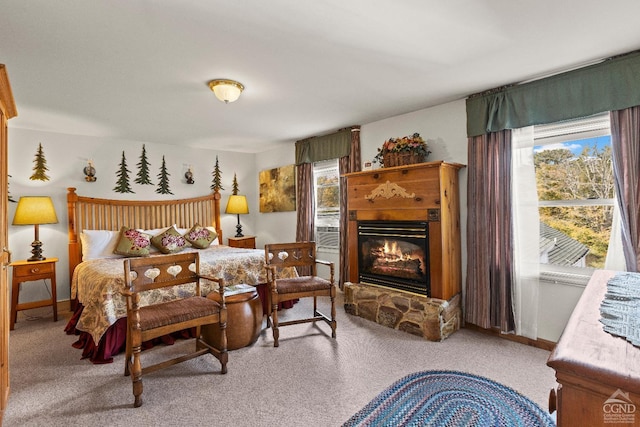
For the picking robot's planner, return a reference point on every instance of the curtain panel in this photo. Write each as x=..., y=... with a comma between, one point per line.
x=347, y=165
x=610, y=85
x=526, y=233
x=305, y=221
x=488, y=297
x=625, y=142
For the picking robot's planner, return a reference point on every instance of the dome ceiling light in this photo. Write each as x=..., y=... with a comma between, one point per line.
x=226, y=90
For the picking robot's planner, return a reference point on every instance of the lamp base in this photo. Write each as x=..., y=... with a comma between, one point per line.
x=239, y=231
x=36, y=251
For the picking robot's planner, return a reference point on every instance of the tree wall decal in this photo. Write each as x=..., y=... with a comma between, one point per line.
x=122, y=184
x=234, y=187
x=40, y=166
x=143, y=169
x=217, y=178
x=163, y=176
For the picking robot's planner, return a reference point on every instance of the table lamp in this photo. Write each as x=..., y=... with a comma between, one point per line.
x=35, y=210
x=237, y=205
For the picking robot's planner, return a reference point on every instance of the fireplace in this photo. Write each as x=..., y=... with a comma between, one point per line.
x=394, y=254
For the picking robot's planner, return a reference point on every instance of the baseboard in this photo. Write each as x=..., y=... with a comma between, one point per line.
x=538, y=343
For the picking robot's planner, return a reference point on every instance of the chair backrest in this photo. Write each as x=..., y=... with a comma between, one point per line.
x=296, y=254
x=147, y=273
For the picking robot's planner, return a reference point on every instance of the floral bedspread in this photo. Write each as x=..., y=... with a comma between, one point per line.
x=97, y=283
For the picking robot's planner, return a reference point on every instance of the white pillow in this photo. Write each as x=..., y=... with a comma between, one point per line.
x=99, y=244
x=216, y=241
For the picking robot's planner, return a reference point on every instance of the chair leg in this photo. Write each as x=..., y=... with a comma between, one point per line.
x=136, y=377
x=274, y=324
x=333, y=317
x=127, y=356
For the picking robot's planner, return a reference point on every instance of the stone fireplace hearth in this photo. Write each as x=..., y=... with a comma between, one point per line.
x=430, y=318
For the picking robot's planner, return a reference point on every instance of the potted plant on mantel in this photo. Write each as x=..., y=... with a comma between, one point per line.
x=406, y=150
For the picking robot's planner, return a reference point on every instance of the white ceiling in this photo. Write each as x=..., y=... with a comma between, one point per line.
x=138, y=69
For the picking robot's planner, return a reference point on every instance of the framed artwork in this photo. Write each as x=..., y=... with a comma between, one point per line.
x=278, y=189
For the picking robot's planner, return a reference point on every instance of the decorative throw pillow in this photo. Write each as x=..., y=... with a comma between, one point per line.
x=132, y=243
x=154, y=232
x=169, y=242
x=200, y=237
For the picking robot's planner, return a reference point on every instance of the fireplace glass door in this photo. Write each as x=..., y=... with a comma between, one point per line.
x=394, y=254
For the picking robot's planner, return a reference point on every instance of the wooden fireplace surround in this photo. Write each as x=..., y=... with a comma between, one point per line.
x=421, y=192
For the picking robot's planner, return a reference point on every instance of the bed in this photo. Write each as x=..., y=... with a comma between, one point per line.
x=95, y=225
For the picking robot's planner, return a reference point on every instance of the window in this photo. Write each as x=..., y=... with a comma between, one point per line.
x=326, y=179
x=574, y=178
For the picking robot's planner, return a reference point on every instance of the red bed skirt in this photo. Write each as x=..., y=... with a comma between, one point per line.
x=114, y=339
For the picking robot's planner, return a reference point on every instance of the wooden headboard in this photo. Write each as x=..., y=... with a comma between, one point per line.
x=89, y=213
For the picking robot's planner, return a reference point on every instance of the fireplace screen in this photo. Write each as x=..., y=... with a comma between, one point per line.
x=394, y=254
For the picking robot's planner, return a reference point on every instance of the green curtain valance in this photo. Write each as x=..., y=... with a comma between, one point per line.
x=610, y=85
x=318, y=148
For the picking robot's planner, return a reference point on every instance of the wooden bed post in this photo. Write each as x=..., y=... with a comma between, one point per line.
x=216, y=207
x=74, y=250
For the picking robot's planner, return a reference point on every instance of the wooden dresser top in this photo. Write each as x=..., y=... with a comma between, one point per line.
x=587, y=351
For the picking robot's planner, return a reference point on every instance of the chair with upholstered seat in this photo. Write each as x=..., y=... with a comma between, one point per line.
x=157, y=319
x=302, y=256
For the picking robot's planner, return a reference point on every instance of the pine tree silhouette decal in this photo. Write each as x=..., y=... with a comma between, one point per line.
x=217, y=178
x=122, y=185
x=9, y=192
x=163, y=185
x=234, y=188
x=143, y=169
x=40, y=166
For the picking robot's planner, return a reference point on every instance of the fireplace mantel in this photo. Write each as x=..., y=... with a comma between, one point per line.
x=421, y=192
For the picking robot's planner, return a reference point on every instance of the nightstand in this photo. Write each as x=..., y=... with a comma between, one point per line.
x=29, y=271
x=248, y=242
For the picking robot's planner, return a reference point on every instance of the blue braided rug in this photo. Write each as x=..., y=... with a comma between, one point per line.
x=449, y=398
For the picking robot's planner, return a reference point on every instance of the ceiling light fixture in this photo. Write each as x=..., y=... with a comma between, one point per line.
x=226, y=90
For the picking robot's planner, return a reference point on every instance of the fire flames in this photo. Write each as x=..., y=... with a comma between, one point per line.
x=390, y=259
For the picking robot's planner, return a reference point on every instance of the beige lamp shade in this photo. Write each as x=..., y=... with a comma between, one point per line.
x=237, y=205
x=226, y=90
x=34, y=210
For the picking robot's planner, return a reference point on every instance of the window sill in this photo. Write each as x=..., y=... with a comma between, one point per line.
x=564, y=278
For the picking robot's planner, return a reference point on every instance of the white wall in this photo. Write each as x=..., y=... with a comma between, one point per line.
x=66, y=156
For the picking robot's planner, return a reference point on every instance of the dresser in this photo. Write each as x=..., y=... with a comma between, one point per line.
x=7, y=111
x=598, y=374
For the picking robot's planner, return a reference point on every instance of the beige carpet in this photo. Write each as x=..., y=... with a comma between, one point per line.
x=310, y=379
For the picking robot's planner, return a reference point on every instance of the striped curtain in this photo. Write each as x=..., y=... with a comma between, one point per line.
x=488, y=297
x=350, y=163
x=625, y=142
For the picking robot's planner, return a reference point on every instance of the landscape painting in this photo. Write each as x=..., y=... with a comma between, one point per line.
x=278, y=189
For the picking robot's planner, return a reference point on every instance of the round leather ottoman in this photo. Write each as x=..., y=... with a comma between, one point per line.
x=244, y=318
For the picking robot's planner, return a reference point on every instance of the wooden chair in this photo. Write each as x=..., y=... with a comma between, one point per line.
x=152, y=321
x=302, y=256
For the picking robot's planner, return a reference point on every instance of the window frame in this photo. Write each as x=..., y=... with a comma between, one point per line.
x=565, y=132
x=327, y=237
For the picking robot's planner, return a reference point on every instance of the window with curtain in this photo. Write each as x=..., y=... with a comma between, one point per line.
x=326, y=186
x=576, y=198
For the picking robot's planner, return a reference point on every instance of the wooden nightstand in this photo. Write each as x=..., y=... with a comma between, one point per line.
x=248, y=242
x=29, y=271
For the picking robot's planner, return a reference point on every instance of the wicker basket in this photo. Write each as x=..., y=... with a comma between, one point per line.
x=402, y=159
